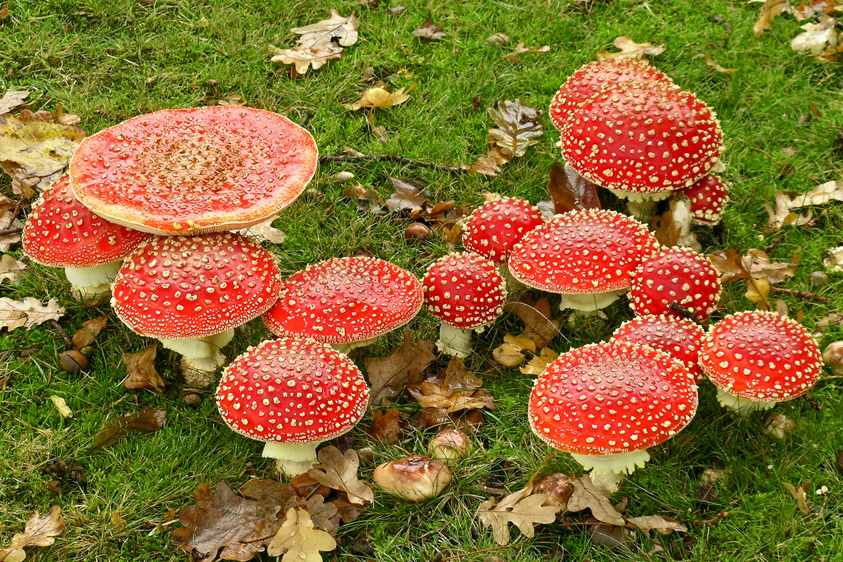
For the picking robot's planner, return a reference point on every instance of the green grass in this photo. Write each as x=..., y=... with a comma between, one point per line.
x=111, y=60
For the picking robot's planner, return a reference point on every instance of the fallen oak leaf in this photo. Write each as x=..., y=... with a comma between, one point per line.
x=807, y=10
x=586, y=496
x=816, y=36
x=38, y=531
x=386, y=426
x=389, y=375
x=338, y=471
x=11, y=99
x=662, y=525
x=146, y=421
x=87, y=334
x=769, y=11
x=537, y=318
x=509, y=354
x=27, y=313
x=758, y=264
x=428, y=30
x=410, y=195
x=629, y=49
x=523, y=508
x=11, y=269
x=305, y=58
x=800, y=494
x=298, y=540
x=785, y=205
x=379, y=97
x=322, y=33
x=520, y=49
x=539, y=363
x=517, y=129
x=141, y=370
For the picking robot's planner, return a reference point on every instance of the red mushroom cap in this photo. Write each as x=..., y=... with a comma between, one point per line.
x=642, y=138
x=708, y=197
x=675, y=275
x=61, y=232
x=292, y=391
x=597, y=76
x=464, y=290
x=178, y=287
x=611, y=398
x=495, y=227
x=760, y=355
x=345, y=300
x=678, y=337
x=582, y=252
x=187, y=171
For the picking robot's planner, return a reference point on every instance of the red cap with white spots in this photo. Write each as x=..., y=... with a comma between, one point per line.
x=345, y=300
x=611, y=398
x=646, y=139
x=496, y=226
x=464, y=291
x=708, y=197
x=678, y=337
x=187, y=171
x=178, y=287
x=759, y=355
x=596, y=77
x=292, y=391
x=582, y=252
x=61, y=232
x=675, y=275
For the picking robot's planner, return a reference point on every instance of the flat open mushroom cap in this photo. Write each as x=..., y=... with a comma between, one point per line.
x=292, y=391
x=642, y=138
x=611, y=398
x=496, y=226
x=597, y=76
x=760, y=355
x=678, y=337
x=188, y=171
x=582, y=252
x=345, y=300
x=61, y=232
x=178, y=287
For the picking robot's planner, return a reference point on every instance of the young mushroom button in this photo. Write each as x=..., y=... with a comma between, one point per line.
x=707, y=197
x=61, y=232
x=466, y=293
x=345, y=302
x=496, y=226
x=293, y=394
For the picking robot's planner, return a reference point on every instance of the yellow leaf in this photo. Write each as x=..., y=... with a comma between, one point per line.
x=508, y=355
x=379, y=97
x=62, y=407
x=769, y=11
x=298, y=540
x=539, y=363
x=629, y=49
x=39, y=531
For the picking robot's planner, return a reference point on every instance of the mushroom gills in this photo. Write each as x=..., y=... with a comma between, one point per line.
x=741, y=405
x=291, y=459
x=454, y=341
x=617, y=463
x=346, y=347
x=92, y=281
x=202, y=354
x=637, y=196
x=590, y=302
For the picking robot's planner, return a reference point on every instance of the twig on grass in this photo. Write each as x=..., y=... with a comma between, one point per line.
x=800, y=294
x=714, y=520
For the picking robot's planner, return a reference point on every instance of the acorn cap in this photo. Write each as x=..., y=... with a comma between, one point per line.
x=493, y=229
x=464, y=290
x=188, y=171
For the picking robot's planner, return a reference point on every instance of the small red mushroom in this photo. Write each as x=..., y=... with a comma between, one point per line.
x=188, y=171
x=345, y=302
x=678, y=337
x=708, y=197
x=61, y=232
x=757, y=359
x=678, y=276
x=493, y=229
x=293, y=394
x=466, y=293
x=587, y=256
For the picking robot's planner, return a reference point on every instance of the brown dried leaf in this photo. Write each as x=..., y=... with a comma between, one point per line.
x=518, y=127
x=365, y=199
x=523, y=508
x=39, y=531
x=539, y=363
x=321, y=34
x=539, y=324
x=27, y=313
x=386, y=426
x=586, y=496
x=657, y=523
x=570, y=191
x=223, y=520
x=820, y=195
x=410, y=195
x=324, y=515
x=758, y=291
x=800, y=494
x=428, y=30
x=379, y=97
x=146, y=421
x=454, y=389
x=11, y=269
x=298, y=540
x=758, y=264
x=389, y=375
x=338, y=471
x=141, y=369
x=271, y=491
x=816, y=36
x=665, y=229
x=728, y=265
x=769, y=11
x=346, y=511
x=305, y=58
x=807, y=10
x=629, y=49
x=508, y=354
x=11, y=99
x=87, y=334
x=520, y=49
x=710, y=62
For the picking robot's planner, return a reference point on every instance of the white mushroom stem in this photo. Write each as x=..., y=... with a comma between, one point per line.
x=619, y=463
x=680, y=212
x=741, y=405
x=454, y=341
x=291, y=459
x=590, y=302
x=202, y=354
x=92, y=281
x=346, y=347
x=642, y=210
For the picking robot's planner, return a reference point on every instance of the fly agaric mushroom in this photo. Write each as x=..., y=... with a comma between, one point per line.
x=345, y=302
x=413, y=478
x=708, y=197
x=607, y=403
x=189, y=171
x=675, y=276
x=61, y=232
x=757, y=359
x=496, y=226
x=293, y=394
x=587, y=256
x=642, y=141
x=678, y=337
x=598, y=76
x=466, y=293
x=190, y=292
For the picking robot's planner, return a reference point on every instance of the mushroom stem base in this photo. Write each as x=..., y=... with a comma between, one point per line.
x=741, y=405
x=619, y=463
x=454, y=341
x=201, y=354
x=346, y=347
x=642, y=210
x=291, y=459
x=590, y=302
x=92, y=281
x=608, y=482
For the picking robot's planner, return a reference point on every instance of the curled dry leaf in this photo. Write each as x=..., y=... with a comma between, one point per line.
x=661, y=525
x=27, y=313
x=816, y=36
x=570, y=191
x=511, y=352
x=455, y=389
x=298, y=540
x=809, y=9
x=316, y=45
x=587, y=496
x=11, y=269
x=145, y=421
x=710, y=62
x=833, y=261
x=539, y=324
x=539, y=363
x=428, y=30
x=800, y=494
x=523, y=508
x=11, y=99
x=39, y=531
x=379, y=97
x=410, y=195
x=87, y=334
x=785, y=205
x=141, y=369
x=629, y=49
x=386, y=426
x=389, y=375
x=366, y=200
x=520, y=49
x=338, y=471
x=769, y=11
x=517, y=129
